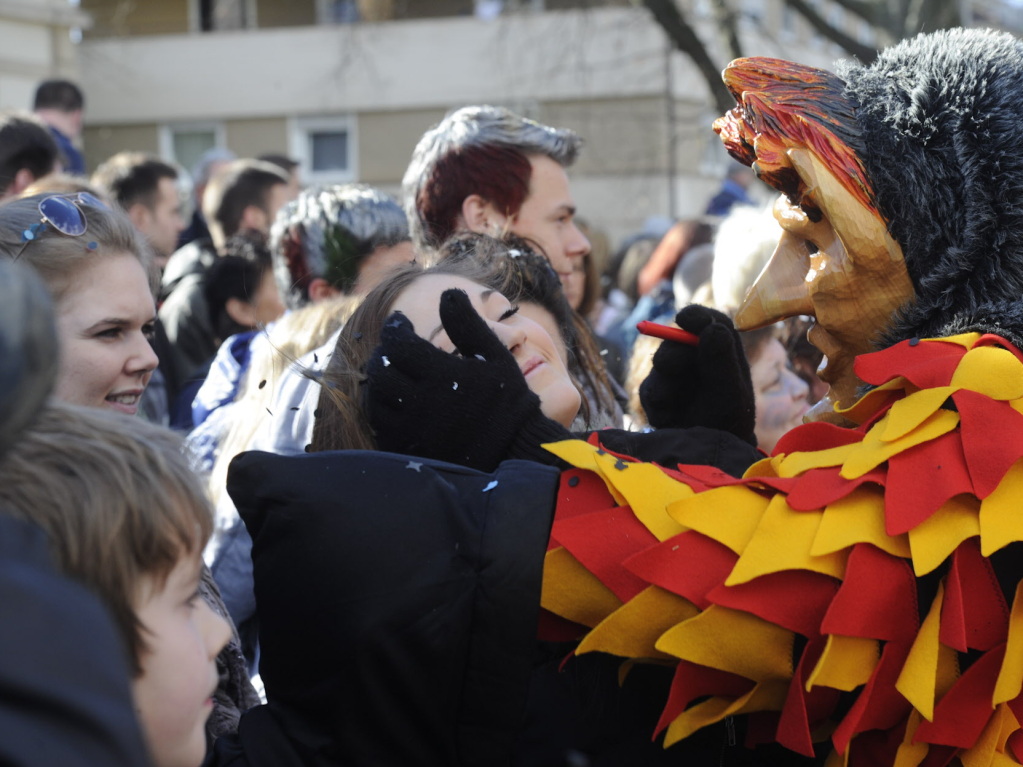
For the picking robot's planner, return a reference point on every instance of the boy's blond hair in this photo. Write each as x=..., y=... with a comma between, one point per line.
x=116, y=497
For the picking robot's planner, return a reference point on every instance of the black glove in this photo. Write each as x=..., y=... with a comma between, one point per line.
x=705, y=385
x=472, y=408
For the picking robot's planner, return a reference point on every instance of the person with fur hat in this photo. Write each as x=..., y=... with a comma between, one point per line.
x=856, y=594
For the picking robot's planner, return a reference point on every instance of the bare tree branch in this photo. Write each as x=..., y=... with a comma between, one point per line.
x=877, y=13
x=864, y=53
x=891, y=20
x=726, y=21
x=686, y=40
x=929, y=15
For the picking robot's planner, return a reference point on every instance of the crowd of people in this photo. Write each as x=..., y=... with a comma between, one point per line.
x=314, y=476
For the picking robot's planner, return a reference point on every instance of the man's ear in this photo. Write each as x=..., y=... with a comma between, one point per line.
x=254, y=217
x=140, y=216
x=241, y=312
x=321, y=290
x=479, y=215
x=23, y=179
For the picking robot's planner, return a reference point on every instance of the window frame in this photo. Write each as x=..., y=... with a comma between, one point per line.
x=300, y=130
x=167, y=131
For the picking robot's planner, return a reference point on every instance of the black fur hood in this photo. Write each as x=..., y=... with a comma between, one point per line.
x=942, y=120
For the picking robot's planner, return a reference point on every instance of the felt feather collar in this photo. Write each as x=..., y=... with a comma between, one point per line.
x=859, y=585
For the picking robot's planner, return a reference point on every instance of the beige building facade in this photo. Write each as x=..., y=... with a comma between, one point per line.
x=37, y=42
x=349, y=98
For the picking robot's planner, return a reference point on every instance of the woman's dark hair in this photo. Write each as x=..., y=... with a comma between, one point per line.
x=237, y=274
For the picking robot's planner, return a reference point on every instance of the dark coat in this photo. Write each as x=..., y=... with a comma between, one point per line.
x=65, y=697
x=398, y=601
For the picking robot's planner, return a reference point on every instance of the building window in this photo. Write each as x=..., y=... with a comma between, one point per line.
x=325, y=147
x=223, y=15
x=185, y=143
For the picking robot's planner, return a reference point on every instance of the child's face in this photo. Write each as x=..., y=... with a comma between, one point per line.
x=173, y=694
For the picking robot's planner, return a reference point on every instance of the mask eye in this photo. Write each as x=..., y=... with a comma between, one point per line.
x=811, y=247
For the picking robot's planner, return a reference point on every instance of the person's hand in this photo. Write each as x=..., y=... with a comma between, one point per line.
x=472, y=407
x=704, y=385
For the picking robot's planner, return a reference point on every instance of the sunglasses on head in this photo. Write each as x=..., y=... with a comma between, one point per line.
x=63, y=213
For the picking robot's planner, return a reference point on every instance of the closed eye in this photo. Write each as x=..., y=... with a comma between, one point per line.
x=511, y=312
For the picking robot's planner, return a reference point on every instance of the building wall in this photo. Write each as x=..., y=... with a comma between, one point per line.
x=117, y=18
x=608, y=73
x=251, y=138
x=622, y=136
x=102, y=141
x=34, y=46
x=294, y=13
x=374, y=67
x=386, y=141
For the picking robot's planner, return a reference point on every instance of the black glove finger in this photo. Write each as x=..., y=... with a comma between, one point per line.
x=469, y=332
x=388, y=385
x=726, y=379
x=676, y=360
x=401, y=347
x=720, y=349
x=695, y=318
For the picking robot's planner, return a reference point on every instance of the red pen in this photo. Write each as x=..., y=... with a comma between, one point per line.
x=667, y=333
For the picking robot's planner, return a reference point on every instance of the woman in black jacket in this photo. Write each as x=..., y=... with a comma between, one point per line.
x=484, y=384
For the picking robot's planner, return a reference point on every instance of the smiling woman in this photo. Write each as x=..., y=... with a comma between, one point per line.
x=522, y=362
x=97, y=268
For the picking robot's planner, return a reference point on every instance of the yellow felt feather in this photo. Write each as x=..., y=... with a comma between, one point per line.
x=633, y=630
x=573, y=592
x=782, y=541
x=648, y=490
x=990, y=370
x=1001, y=522
x=729, y=515
x=874, y=450
x=1010, y=676
x=733, y=641
x=934, y=539
x=845, y=664
x=766, y=696
x=857, y=518
x=931, y=667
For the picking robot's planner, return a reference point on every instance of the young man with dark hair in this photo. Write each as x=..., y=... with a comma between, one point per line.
x=244, y=196
x=61, y=105
x=289, y=166
x=485, y=169
x=147, y=189
x=27, y=152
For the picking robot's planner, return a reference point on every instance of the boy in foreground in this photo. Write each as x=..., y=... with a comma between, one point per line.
x=126, y=517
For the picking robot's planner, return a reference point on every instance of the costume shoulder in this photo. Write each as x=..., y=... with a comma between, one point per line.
x=854, y=591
